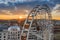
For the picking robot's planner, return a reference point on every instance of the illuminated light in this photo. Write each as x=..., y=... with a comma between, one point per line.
x=20, y=17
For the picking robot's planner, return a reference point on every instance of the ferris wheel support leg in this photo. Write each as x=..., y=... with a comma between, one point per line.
x=45, y=35
x=50, y=34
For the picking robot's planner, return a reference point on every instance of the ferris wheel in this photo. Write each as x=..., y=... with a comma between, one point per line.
x=38, y=25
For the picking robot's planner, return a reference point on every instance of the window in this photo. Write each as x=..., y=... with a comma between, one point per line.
x=8, y=37
x=0, y=33
x=0, y=36
x=18, y=37
x=4, y=36
x=11, y=32
x=4, y=33
x=18, y=34
x=4, y=39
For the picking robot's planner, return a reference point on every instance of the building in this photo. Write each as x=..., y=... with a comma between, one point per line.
x=10, y=33
x=3, y=35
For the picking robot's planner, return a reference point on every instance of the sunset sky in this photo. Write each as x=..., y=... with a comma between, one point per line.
x=20, y=8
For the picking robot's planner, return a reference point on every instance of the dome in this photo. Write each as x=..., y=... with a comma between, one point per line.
x=14, y=27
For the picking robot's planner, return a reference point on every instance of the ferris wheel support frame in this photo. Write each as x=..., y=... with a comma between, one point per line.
x=34, y=13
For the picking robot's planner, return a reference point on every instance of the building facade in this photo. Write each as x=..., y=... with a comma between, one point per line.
x=12, y=33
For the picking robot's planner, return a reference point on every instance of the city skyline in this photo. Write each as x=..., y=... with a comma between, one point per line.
x=29, y=19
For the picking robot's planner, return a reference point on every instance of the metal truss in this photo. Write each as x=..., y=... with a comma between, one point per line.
x=42, y=29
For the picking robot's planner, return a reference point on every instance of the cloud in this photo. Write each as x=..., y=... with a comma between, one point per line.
x=25, y=0
x=56, y=11
x=43, y=0
x=57, y=7
x=6, y=12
